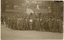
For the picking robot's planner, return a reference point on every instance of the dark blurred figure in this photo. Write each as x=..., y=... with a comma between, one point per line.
x=2, y=20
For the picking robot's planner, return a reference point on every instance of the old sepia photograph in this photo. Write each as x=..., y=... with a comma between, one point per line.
x=31, y=20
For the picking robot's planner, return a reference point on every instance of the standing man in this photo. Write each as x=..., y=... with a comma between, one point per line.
x=30, y=21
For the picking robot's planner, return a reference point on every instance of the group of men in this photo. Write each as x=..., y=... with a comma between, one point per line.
x=31, y=22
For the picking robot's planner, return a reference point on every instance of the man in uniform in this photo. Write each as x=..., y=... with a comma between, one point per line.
x=12, y=22
x=50, y=24
x=53, y=25
x=20, y=23
x=60, y=25
x=37, y=24
x=26, y=24
x=8, y=23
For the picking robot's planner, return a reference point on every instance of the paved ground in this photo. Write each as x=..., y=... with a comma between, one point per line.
x=9, y=34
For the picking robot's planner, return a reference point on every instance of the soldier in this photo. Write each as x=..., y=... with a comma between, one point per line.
x=37, y=24
x=20, y=23
x=26, y=24
x=56, y=25
x=12, y=23
x=40, y=24
x=53, y=25
x=15, y=22
x=50, y=24
x=31, y=20
x=30, y=24
x=8, y=22
x=60, y=25
x=5, y=20
x=33, y=25
x=46, y=27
